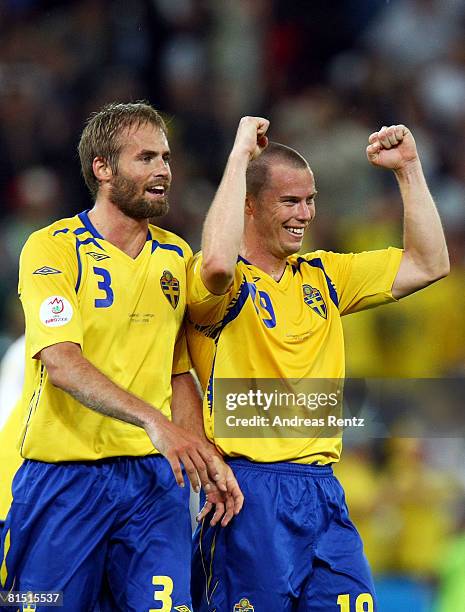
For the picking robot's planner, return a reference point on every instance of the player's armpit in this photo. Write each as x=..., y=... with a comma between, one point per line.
x=204, y=307
x=412, y=277
x=49, y=354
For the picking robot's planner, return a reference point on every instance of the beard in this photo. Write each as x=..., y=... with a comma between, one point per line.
x=125, y=194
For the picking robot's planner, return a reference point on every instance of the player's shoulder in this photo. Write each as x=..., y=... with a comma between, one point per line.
x=59, y=233
x=332, y=264
x=170, y=241
x=314, y=258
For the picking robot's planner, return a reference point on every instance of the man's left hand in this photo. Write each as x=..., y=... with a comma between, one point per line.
x=227, y=504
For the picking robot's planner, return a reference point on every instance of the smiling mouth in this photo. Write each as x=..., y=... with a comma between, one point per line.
x=159, y=190
x=297, y=232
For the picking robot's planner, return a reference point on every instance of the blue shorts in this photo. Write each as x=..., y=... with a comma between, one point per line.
x=292, y=548
x=121, y=522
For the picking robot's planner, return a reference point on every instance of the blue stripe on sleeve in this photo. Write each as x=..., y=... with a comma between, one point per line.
x=214, y=332
x=209, y=390
x=236, y=306
x=79, y=263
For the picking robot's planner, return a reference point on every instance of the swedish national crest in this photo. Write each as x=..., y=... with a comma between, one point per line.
x=170, y=287
x=244, y=605
x=314, y=299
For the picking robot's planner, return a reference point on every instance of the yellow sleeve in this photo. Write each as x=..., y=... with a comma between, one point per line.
x=48, y=274
x=204, y=307
x=181, y=359
x=362, y=280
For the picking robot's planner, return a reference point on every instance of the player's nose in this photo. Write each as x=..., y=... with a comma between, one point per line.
x=162, y=169
x=305, y=211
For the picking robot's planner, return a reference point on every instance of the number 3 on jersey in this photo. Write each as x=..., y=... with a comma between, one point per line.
x=105, y=286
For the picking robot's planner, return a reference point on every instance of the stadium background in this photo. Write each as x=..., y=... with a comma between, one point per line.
x=326, y=77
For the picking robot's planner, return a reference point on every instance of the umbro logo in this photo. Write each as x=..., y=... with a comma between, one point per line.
x=46, y=270
x=98, y=256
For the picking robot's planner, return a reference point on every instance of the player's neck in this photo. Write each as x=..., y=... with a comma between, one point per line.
x=129, y=235
x=273, y=266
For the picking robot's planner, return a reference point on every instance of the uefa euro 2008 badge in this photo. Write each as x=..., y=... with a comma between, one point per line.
x=56, y=311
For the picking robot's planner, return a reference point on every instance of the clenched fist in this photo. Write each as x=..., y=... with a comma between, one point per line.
x=392, y=147
x=251, y=136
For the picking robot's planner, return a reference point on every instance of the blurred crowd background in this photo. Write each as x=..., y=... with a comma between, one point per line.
x=327, y=74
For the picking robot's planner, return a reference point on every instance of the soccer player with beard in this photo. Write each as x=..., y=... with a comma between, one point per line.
x=110, y=408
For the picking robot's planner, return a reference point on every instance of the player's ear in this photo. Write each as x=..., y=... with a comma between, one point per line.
x=102, y=169
x=249, y=205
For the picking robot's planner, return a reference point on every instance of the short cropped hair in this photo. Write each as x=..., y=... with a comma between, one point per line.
x=101, y=135
x=258, y=170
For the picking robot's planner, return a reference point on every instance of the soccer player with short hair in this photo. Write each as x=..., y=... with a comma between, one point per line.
x=104, y=296
x=258, y=310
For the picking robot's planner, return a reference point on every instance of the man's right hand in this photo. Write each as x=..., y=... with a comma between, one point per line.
x=178, y=446
x=251, y=136
x=202, y=464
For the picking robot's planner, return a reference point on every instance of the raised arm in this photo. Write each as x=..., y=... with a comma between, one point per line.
x=71, y=372
x=425, y=259
x=224, y=224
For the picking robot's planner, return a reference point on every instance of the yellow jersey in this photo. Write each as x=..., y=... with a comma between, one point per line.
x=286, y=329
x=10, y=459
x=126, y=314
